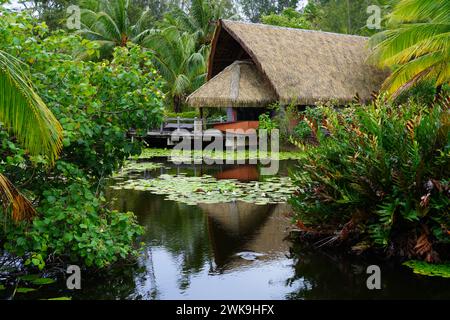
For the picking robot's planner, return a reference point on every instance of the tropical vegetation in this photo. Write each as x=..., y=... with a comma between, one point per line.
x=378, y=175
x=416, y=45
x=96, y=104
x=368, y=176
x=179, y=62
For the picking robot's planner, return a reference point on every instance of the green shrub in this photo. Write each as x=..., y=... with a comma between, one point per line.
x=266, y=122
x=75, y=225
x=423, y=92
x=289, y=17
x=185, y=115
x=304, y=129
x=96, y=103
x=379, y=173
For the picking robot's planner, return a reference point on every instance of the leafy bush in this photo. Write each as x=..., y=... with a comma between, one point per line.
x=303, y=130
x=74, y=225
x=96, y=103
x=423, y=92
x=185, y=115
x=288, y=18
x=266, y=122
x=379, y=174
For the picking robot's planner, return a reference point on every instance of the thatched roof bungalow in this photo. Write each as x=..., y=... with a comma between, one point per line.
x=252, y=65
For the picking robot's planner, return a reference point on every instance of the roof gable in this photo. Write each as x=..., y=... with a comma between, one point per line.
x=238, y=85
x=302, y=66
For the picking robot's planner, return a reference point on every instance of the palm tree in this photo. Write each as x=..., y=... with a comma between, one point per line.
x=182, y=66
x=107, y=23
x=201, y=18
x=25, y=115
x=417, y=46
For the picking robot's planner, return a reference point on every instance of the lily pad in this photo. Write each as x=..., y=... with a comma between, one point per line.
x=25, y=290
x=208, y=190
x=179, y=156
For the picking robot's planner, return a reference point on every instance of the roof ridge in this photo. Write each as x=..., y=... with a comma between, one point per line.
x=295, y=29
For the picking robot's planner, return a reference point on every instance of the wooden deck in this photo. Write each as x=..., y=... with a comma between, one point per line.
x=197, y=128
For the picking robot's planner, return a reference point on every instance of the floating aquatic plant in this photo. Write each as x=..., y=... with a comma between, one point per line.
x=427, y=269
x=224, y=155
x=133, y=166
x=206, y=189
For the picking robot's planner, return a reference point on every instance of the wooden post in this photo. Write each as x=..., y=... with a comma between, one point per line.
x=202, y=118
x=198, y=126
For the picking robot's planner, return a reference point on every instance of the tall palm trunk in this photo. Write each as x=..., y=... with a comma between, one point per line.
x=177, y=104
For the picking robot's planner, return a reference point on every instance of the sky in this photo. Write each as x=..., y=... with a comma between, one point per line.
x=14, y=4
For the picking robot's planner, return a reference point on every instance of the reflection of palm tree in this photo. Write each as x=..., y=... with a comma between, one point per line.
x=25, y=115
x=154, y=294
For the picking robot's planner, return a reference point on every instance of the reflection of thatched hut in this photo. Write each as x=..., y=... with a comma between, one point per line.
x=240, y=172
x=252, y=65
x=235, y=227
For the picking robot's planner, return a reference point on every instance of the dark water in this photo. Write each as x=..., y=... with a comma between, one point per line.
x=200, y=253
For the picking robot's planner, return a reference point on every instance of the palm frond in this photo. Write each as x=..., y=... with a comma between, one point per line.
x=13, y=202
x=417, y=47
x=107, y=26
x=88, y=17
x=420, y=10
x=409, y=74
x=24, y=113
x=181, y=83
x=394, y=42
x=119, y=10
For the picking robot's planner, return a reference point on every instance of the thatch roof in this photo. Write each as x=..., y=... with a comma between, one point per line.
x=238, y=85
x=301, y=66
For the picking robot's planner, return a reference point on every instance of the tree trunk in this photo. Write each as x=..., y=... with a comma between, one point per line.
x=438, y=95
x=438, y=90
x=177, y=104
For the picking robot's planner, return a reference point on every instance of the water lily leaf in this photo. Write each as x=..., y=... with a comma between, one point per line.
x=25, y=290
x=29, y=277
x=208, y=190
x=43, y=281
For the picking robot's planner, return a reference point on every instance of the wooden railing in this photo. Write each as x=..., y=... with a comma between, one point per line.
x=191, y=124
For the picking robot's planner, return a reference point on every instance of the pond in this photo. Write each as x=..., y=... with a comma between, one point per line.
x=235, y=250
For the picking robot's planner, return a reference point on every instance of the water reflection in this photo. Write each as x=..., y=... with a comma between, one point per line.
x=187, y=245
x=326, y=274
x=193, y=252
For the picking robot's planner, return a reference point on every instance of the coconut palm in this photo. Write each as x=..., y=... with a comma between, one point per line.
x=417, y=46
x=107, y=23
x=25, y=115
x=200, y=20
x=182, y=66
